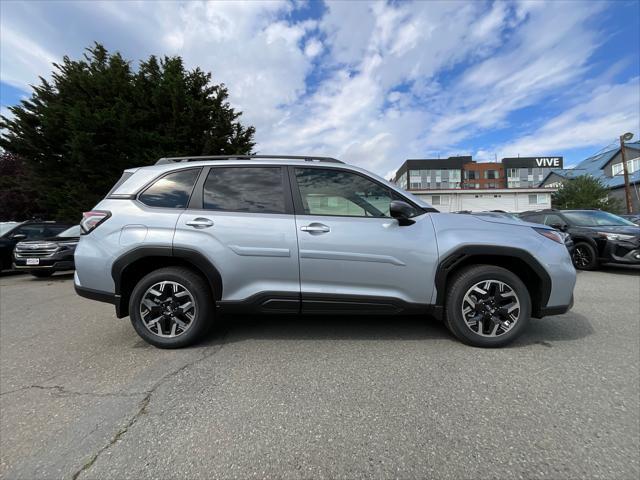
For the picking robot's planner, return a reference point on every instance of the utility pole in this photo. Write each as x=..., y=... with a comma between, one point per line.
x=627, y=190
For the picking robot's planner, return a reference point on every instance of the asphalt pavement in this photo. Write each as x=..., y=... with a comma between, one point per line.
x=81, y=396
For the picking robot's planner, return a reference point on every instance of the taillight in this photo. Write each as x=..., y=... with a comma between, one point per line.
x=550, y=234
x=91, y=220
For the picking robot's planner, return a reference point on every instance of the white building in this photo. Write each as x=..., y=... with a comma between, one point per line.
x=479, y=200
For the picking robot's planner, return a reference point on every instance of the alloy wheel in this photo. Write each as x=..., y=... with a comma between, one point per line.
x=167, y=309
x=581, y=257
x=490, y=308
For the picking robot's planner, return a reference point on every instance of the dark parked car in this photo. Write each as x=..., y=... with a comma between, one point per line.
x=566, y=238
x=30, y=230
x=632, y=217
x=599, y=237
x=42, y=258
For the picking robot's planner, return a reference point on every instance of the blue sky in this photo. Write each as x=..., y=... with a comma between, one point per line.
x=373, y=83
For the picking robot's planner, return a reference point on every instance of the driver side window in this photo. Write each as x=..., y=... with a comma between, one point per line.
x=341, y=193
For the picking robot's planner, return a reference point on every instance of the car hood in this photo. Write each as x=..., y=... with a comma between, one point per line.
x=509, y=221
x=622, y=229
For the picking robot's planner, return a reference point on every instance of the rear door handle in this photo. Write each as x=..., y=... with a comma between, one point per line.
x=315, y=228
x=199, y=223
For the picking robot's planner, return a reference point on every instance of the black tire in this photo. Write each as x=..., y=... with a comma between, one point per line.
x=464, y=280
x=195, y=285
x=41, y=273
x=584, y=256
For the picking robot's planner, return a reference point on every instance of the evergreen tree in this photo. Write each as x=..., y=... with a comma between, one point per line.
x=17, y=198
x=97, y=117
x=584, y=192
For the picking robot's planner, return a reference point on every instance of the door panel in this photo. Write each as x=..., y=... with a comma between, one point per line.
x=368, y=257
x=241, y=219
x=254, y=253
x=351, y=250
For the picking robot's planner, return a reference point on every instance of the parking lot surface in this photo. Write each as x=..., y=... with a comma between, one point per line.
x=83, y=397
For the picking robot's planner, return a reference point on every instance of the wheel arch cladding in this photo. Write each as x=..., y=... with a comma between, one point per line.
x=518, y=261
x=128, y=269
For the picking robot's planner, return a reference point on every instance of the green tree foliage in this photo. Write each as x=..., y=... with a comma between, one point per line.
x=16, y=195
x=584, y=192
x=97, y=117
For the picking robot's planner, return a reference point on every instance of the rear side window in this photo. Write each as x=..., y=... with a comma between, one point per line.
x=172, y=190
x=123, y=179
x=244, y=189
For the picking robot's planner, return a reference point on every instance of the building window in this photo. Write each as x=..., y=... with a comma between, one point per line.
x=470, y=174
x=513, y=173
x=435, y=200
x=537, y=199
x=490, y=174
x=633, y=165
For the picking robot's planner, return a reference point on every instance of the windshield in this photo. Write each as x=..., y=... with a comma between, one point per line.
x=596, y=219
x=70, y=232
x=6, y=226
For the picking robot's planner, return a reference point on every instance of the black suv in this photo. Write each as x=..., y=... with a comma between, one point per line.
x=599, y=237
x=42, y=258
x=30, y=230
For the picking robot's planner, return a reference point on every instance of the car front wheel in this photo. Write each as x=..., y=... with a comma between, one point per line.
x=487, y=306
x=171, y=307
x=584, y=257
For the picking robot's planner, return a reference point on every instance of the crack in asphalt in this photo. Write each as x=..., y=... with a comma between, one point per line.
x=65, y=392
x=144, y=403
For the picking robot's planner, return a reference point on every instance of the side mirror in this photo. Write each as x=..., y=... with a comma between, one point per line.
x=402, y=212
x=18, y=236
x=559, y=226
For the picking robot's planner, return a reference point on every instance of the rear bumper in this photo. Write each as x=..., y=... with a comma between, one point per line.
x=555, y=310
x=100, y=296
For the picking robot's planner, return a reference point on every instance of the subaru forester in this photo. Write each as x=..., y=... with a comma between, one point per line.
x=176, y=244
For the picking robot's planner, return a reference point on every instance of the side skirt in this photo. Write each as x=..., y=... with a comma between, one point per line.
x=322, y=304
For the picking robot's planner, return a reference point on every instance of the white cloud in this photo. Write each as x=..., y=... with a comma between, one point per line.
x=610, y=111
x=397, y=80
x=313, y=48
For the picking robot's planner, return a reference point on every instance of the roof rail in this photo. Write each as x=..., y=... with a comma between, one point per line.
x=306, y=158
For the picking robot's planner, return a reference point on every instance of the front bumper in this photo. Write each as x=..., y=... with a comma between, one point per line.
x=556, y=310
x=621, y=252
x=44, y=264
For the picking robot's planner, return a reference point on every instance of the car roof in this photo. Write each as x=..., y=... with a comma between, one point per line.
x=209, y=158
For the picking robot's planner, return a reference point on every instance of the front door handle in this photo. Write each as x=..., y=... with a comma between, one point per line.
x=199, y=223
x=315, y=228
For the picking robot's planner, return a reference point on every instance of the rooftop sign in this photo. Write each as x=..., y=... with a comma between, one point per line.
x=533, y=162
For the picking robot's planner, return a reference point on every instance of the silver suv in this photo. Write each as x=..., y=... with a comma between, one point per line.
x=175, y=244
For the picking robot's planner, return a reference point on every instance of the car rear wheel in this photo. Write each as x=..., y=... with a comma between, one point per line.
x=584, y=257
x=171, y=307
x=41, y=274
x=487, y=306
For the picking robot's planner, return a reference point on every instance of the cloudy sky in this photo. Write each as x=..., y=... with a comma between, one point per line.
x=372, y=83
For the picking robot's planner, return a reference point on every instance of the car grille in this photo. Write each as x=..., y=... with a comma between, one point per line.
x=36, y=250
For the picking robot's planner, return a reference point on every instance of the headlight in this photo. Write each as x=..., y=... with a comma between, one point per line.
x=616, y=236
x=550, y=234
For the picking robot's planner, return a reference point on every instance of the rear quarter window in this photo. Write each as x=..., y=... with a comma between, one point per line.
x=171, y=191
x=123, y=179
